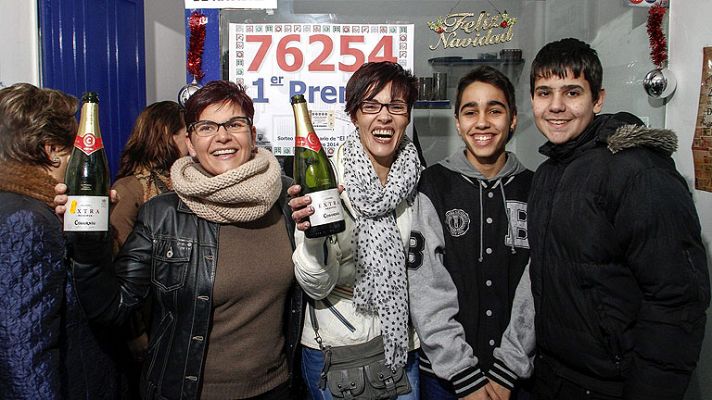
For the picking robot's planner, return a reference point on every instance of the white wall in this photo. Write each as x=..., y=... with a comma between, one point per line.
x=618, y=34
x=19, y=55
x=165, y=49
x=689, y=32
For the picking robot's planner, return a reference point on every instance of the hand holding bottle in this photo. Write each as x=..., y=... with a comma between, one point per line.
x=60, y=198
x=89, y=249
x=315, y=176
x=301, y=206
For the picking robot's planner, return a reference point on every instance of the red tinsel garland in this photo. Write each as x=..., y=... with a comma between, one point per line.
x=658, y=44
x=197, y=24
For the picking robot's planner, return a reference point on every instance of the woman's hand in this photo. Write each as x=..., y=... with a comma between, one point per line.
x=301, y=206
x=138, y=347
x=60, y=198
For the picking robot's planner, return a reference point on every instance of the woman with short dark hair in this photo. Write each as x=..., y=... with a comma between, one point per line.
x=358, y=277
x=215, y=258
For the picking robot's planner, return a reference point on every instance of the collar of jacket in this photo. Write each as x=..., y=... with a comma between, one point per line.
x=182, y=207
x=616, y=131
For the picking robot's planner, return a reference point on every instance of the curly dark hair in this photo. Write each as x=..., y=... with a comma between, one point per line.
x=32, y=117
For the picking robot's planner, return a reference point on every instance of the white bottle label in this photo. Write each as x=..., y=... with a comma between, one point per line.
x=327, y=207
x=87, y=214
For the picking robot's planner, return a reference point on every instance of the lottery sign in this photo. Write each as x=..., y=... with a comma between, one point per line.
x=240, y=4
x=277, y=61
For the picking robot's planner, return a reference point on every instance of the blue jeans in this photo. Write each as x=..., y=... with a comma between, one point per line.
x=436, y=389
x=313, y=362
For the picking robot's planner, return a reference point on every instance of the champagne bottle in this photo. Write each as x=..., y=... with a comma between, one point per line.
x=312, y=171
x=87, y=178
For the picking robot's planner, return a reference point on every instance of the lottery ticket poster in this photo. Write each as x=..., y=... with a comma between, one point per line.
x=234, y=4
x=276, y=61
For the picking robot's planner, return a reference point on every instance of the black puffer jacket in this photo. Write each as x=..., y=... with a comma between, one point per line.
x=618, y=268
x=181, y=250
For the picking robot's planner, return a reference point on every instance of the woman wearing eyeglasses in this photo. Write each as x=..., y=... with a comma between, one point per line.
x=215, y=257
x=358, y=277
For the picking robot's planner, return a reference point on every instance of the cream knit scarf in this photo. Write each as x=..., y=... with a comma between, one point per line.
x=243, y=194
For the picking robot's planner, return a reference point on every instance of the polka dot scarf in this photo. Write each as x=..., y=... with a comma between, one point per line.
x=381, y=285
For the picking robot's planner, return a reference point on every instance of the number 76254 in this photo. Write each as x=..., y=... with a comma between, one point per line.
x=290, y=45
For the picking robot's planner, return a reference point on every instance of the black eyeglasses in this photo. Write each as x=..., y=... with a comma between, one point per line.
x=209, y=128
x=374, y=107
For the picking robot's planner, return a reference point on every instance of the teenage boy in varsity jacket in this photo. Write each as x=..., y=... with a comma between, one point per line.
x=468, y=252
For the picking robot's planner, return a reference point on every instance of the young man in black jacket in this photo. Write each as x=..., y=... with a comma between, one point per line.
x=618, y=268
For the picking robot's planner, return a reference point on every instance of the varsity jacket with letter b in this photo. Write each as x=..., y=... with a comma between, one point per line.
x=468, y=251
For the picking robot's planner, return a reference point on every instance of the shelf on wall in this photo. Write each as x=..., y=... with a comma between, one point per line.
x=432, y=104
x=473, y=61
x=456, y=66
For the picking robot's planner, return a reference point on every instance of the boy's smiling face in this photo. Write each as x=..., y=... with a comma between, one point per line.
x=564, y=107
x=484, y=122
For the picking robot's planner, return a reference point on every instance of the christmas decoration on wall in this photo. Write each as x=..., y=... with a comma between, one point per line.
x=474, y=30
x=660, y=82
x=647, y=3
x=194, y=62
x=702, y=142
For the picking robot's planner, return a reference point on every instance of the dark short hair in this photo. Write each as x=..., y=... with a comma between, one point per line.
x=492, y=76
x=372, y=77
x=218, y=92
x=151, y=145
x=30, y=118
x=556, y=58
